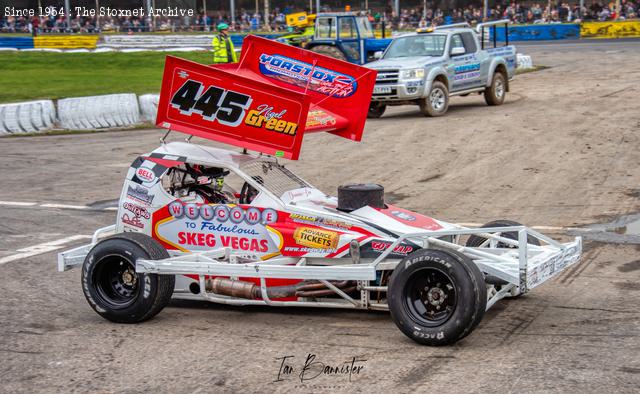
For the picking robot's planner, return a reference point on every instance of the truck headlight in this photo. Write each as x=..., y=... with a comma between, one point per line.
x=415, y=73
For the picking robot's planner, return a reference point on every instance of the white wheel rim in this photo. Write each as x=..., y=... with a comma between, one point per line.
x=499, y=88
x=437, y=99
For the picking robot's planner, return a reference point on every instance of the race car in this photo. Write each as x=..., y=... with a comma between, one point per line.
x=203, y=223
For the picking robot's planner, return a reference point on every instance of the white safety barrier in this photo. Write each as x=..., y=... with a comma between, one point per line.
x=156, y=41
x=149, y=107
x=524, y=61
x=96, y=112
x=27, y=117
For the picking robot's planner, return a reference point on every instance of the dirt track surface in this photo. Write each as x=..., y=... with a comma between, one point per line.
x=563, y=151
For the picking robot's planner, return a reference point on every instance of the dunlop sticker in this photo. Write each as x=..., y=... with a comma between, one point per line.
x=316, y=238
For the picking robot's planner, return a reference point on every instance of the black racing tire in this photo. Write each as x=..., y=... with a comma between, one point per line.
x=330, y=51
x=437, y=101
x=495, y=94
x=112, y=287
x=435, y=297
x=475, y=241
x=376, y=110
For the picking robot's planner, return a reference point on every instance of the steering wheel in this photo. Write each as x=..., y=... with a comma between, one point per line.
x=247, y=193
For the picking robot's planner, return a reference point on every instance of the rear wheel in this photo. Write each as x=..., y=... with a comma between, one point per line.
x=376, y=110
x=437, y=102
x=329, y=50
x=435, y=297
x=495, y=94
x=114, y=289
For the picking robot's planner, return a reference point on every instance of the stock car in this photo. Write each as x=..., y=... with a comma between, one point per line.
x=239, y=228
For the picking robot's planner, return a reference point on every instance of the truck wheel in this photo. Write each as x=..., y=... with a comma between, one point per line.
x=114, y=289
x=330, y=51
x=376, y=110
x=494, y=94
x=436, y=296
x=437, y=102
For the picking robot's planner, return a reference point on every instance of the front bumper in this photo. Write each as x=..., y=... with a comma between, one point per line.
x=400, y=91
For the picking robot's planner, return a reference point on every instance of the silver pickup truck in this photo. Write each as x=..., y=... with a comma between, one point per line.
x=433, y=64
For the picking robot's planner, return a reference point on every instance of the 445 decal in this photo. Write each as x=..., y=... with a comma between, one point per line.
x=215, y=104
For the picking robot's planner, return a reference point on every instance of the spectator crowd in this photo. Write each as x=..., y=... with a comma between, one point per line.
x=246, y=20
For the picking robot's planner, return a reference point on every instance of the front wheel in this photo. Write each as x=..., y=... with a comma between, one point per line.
x=376, y=110
x=114, y=289
x=436, y=297
x=495, y=94
x=437, y=102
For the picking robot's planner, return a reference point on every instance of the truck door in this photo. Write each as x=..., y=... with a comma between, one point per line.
x=464, y=70
x=349, y=39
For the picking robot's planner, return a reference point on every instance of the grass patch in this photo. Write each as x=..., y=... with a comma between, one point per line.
x=46, y=75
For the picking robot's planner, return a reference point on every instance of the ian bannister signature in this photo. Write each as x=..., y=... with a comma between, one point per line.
x=312, y=368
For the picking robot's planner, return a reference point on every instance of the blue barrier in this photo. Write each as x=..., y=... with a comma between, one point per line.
x=538, y=32
x=16, y=42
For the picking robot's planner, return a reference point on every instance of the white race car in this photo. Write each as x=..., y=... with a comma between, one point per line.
x=202, y=223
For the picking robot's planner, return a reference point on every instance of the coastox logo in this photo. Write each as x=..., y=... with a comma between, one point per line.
x=299, y=73
x=223, y=213
x=316, y=238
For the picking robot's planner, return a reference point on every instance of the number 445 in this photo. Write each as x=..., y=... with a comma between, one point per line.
x=215, y=104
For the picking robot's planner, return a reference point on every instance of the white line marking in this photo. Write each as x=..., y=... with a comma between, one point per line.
x=41, y=248
x=64, y=206
x=18, y=203
x=53, y=205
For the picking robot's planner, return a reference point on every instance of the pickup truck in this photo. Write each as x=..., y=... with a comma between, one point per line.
x=428, y=67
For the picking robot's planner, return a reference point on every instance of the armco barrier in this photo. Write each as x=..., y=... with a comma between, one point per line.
x=619, y=29
x=169, y=41
x=65, y=42
x=149, y=107
x=95, y=112
x=16, y=42
x=27, y=117
x=538, y=32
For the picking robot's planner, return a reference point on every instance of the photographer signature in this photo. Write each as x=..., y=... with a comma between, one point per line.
x=312, y=368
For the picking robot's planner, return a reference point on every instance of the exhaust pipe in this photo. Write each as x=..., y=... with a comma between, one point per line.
x=251, y=291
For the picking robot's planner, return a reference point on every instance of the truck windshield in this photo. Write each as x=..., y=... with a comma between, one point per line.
x=419, y=45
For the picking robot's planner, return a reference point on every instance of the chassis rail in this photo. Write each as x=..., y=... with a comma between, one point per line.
x=521, y=265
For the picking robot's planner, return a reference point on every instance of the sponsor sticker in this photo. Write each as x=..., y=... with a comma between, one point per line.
x=146, y=175
x=140, y=194
x=137, y=210
x=403, y=216
x=380, y=246
x=316, y=238
x=223, y=213
x=299, y=73
x=132, y=220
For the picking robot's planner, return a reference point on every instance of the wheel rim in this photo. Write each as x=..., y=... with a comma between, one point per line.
x=116, y=281
x=437, y=99
x=499, y=89
x=430, y=297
